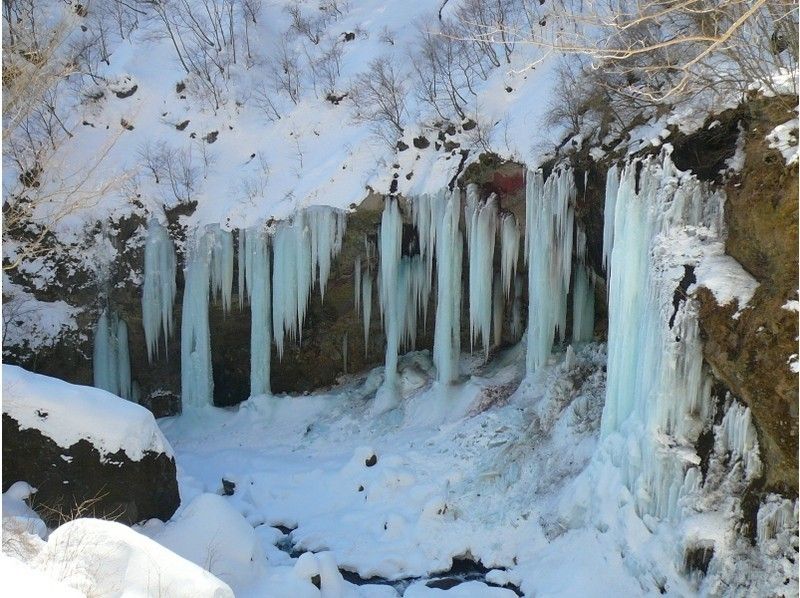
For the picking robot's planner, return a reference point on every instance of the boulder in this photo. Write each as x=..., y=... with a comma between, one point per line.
x=86, y=451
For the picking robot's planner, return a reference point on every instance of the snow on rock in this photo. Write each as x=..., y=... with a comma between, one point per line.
x=104, y=558
x=18, y=514
x=724, y=277
x=784, y=139
x=214, y=535
x=67, y=413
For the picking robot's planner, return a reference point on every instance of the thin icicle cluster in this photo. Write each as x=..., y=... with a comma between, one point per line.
x=656, y=389
x=391, y=238
x=303, y=249
x=197, y=383
x=548, y=246
x=366, y=306
x=112, y=363
x=221, y=242
x=254, y=248
x=776, y=515
x=159, y=290
x=482, y=218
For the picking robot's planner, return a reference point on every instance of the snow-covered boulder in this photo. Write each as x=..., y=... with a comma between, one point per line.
x=211, y=533
x=104, y=558
x=76, y=444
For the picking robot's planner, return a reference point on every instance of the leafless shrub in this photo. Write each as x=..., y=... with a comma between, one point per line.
x=379, y=97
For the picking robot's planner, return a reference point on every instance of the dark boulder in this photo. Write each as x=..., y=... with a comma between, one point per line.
x=80, y=481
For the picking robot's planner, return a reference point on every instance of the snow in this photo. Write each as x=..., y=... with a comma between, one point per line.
x=20, y=579
x=104, y=558
x=67, y=413
x=784, y=139
x=724, y=277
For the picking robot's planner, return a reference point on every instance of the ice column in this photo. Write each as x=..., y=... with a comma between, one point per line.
x=482, y=229
x=548, y=243
x=197, y=384
x=449, y=251
x=159, y=287
x=391, y=233
x=582, y=294
x=258, y=283
x=366, y=306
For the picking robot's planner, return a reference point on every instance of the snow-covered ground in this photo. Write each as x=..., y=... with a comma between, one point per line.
x=498, y=470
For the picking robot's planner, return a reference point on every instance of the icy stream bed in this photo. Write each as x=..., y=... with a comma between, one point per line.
x=462, y=489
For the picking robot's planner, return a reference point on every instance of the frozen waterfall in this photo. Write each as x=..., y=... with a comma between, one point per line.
x=657, y=391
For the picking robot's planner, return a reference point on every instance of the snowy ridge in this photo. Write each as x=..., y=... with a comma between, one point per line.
x=59, y=410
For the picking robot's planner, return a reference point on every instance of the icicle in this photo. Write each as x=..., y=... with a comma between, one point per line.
x=482, y=231
x=221, y=265
x=241, y=261
x=159, y=287
x=549, y=232
x=303, y=250
x=111, y=361
x=509, y=249
x=498, y=304
x=197, y=383
x=516, y=308
x=582, y=306
x=258, y=283
x=612, y=188
x=776, y=515
x=344, y=353
x=391, y=234
x=357, y=285
x=123, y=361
x=106, y=360
x=366, y=306
x=449, y=250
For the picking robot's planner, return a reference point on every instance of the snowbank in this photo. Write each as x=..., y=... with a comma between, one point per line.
x=67, y=413
x=103, y=558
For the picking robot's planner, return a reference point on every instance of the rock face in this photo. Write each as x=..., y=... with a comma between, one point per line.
x=751, y=354
x=86, y=451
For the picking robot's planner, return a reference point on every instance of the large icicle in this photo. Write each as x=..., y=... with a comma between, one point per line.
x=197, y=383
x=548, y=240
x=391, y=235
x=482, y=229
x=449, y=252
x=159, y=290
x=357, y=285
x=241, y=267
x=111, y=363
x=257, y=268
x=509, y=249
x=657, y=394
